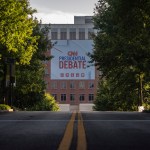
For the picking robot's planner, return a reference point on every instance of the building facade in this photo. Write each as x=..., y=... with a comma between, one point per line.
x=69, y=76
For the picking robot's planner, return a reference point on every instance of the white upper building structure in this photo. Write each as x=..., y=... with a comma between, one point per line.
x=80, y=30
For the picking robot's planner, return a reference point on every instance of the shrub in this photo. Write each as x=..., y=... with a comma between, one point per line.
x=46, y=104
x=4, y=107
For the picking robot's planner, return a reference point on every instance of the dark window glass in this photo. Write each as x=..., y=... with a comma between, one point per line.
x=72, y=97
x=91, y=97
x=81, y=34
x=81, y=97
x=63, y=97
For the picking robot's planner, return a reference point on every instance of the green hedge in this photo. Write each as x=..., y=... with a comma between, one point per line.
x=47, y=104
x=4, y=107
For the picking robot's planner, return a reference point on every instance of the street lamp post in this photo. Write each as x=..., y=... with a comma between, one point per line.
x=10, y=78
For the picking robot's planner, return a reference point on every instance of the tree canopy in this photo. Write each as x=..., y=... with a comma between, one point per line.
x=16, y=32
x=122, y=43
x=30, y=82
x=25, y=40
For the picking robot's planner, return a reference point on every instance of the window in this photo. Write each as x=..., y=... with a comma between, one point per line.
x=63, y=97
x=72, y=97
x=72, y=85
x=72, y=34
x=55, y=96
x=91, y=85
x=63, y=34
x=91, y=97
x=54, y=34
x=81, y=34
x=81, y=97
x=54, y=85
x=63, y=85
x=88, y=20
x=81, y=85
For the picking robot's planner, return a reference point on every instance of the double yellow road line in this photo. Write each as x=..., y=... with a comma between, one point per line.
x=68, y=135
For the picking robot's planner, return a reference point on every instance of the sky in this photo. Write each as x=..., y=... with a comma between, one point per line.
x=62, y=11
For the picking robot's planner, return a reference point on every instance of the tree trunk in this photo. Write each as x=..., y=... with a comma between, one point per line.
x=140, y=90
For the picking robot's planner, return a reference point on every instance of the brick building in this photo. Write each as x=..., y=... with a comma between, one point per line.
x=69, y=76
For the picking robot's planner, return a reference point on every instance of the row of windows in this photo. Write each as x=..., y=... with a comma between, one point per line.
x=72, y=85
x=72, y=34
x=63, y=36
x=81, y=97
x=71, y=29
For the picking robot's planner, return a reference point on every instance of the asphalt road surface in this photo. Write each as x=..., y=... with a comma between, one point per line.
x=74, y=131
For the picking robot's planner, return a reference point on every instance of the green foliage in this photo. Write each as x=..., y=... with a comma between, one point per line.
x=16, y=32
x=23, y=38
x=17, y=39
x=110, y=99
x=30, y=78
x=47, y=104
x=44, y=43
x=29, y=85
x=122, y=46
x=104, y=98
x=123, y=36
x=4, y=107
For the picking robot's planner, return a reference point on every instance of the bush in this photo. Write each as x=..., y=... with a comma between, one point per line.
x=46, y=104
x=146, y=107
x=4, y=107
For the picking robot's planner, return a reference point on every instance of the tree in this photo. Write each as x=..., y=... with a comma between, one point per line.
x=16, y=35
x=109, y=97
x=24, y=39
x=16, y=32
x=31, y=86
x=46, y=104
x=122, y=45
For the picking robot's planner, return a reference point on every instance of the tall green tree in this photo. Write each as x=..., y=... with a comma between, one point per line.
x=122, y=43
x=16, y=35
x=16, y=32
x=30, y=84
x=26, y=41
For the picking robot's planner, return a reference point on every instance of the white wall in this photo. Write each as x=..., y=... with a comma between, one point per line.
x=80, y=107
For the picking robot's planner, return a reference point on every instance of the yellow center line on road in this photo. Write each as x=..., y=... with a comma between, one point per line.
x=68, y=135
x=81, y=143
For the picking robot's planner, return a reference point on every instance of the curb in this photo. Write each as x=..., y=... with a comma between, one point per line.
x=10, y=110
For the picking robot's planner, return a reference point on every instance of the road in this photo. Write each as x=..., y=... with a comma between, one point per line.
x=117, y=130
x=74, y=131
